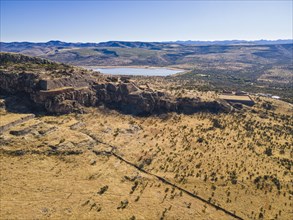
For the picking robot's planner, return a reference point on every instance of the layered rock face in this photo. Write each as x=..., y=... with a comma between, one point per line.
x=129, y=98
x=58, y=88
x=65, y=95
x=18, y=82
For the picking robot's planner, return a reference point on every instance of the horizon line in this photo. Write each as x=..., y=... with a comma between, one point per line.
x=166, y=41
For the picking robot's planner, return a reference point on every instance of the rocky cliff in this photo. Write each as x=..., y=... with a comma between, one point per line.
x=75, y=89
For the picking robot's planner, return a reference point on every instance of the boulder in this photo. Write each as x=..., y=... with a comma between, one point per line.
x=127, y=88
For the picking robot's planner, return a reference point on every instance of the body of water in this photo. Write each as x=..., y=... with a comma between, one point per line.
x=139, y=71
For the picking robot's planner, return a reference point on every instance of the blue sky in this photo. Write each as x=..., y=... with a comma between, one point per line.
x=96, y=21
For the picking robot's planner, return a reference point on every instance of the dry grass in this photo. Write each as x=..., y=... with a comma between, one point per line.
x=8, y=118
x=37, y=184
x=241, y=161
x=235, y=97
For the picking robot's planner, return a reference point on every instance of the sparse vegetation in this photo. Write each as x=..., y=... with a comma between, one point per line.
x=102, y=163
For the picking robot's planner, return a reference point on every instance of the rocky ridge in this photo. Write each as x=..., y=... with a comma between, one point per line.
x=70, y=91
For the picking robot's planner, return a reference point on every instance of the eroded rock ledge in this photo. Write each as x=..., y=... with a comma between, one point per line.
x=72, y=93
x=58, y=88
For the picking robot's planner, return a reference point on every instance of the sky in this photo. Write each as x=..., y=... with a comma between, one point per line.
x=99, y=21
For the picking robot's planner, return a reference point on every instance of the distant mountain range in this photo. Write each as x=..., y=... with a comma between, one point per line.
x=157, y=53
x=134, y=44
x=234, y=42
x=55, y=43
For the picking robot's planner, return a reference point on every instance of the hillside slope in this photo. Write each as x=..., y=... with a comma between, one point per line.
x=177, y=153
x=108, y=165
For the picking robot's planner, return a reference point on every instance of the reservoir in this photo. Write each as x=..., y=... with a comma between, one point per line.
x=139, y=71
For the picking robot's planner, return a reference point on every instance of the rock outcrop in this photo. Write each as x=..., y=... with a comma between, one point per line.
x=126, y=97
x=72, y=91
